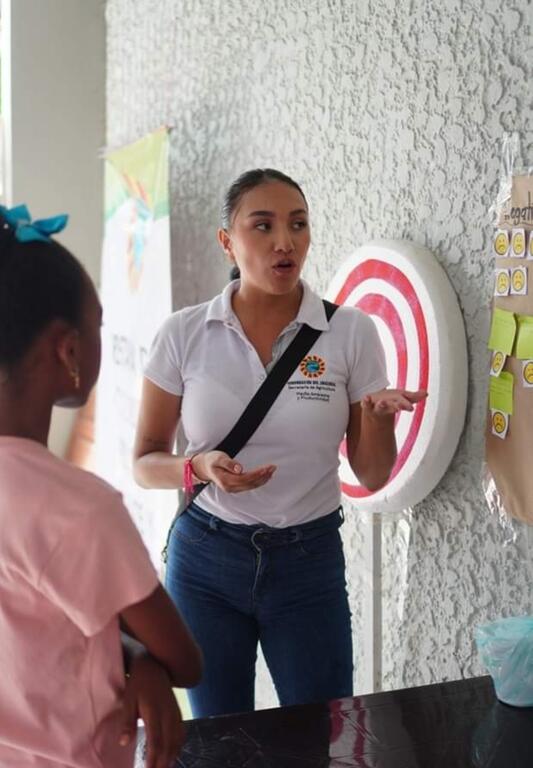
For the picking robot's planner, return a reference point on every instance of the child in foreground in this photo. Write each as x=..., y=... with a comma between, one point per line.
x=73, y=569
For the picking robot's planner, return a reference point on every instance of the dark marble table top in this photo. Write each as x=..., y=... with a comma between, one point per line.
x=447, y=725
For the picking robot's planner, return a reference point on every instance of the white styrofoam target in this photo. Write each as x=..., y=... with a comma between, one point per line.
x=408, y=295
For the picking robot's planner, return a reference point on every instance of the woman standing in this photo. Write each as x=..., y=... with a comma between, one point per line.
x=258, y=556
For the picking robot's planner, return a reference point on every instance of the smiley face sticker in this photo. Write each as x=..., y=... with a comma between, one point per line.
x=502, y=284
x=527, y=373
x=530, y=245
x=500, y=243
x=497, y=362
x=519, y=281
x=499, y=424
x=518, y=243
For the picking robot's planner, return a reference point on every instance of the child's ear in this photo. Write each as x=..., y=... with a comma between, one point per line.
x=68, y=350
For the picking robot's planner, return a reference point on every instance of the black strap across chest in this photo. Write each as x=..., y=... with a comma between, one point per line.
x=264, y=398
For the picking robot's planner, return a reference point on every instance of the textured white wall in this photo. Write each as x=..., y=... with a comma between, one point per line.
x=53, y=102
x=389, y=113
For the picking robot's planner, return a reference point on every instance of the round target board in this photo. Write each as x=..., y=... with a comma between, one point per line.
x=414, y=307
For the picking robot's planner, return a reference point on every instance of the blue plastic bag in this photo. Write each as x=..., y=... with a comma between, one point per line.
x=506, y=649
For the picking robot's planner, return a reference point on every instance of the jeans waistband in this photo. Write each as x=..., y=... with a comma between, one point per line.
x=290, y=534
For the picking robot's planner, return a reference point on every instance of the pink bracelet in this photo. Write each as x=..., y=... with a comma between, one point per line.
x=188, y=482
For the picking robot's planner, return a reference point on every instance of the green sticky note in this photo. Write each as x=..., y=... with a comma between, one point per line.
x=501, y=393
x=524, y=341
x=502, y=331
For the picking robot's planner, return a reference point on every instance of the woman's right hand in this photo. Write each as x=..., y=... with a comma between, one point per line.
x=227, y=474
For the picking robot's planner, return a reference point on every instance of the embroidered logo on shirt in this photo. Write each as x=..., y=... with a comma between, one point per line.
x=312, y=367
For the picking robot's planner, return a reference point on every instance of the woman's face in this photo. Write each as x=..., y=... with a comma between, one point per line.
x=269, y=237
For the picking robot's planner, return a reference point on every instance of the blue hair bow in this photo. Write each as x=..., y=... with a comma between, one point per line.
x=27, y=230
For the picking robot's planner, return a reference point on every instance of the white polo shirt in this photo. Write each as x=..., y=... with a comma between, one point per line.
x=202, y=355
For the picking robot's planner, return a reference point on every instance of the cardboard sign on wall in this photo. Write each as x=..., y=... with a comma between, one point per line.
x=509, y=437
x=518, y=210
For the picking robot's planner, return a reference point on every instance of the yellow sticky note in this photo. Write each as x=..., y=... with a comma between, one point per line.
x=519, y=281
x=524, y=339
x=501, y=393
x=503, y=331
x=497, y=362
x=502, y=282
x=527, y=373
x=518, y=243
x=500, y=243
x=499, y=424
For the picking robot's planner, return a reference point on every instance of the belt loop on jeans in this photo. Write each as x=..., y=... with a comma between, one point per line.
x=206, y=518
x=296, y=535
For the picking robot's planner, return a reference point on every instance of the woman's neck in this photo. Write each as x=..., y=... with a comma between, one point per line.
x=259, y=307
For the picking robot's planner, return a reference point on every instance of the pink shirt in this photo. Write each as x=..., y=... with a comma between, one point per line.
x=70, y=560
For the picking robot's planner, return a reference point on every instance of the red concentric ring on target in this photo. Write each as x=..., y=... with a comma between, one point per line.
x=382, y=307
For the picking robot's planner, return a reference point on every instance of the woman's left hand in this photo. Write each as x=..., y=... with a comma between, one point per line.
x=387, y=402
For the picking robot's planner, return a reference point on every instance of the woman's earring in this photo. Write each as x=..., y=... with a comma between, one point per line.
x=75, y=375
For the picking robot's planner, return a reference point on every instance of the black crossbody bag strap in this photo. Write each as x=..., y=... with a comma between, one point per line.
x=266, y=395
x=264, y=398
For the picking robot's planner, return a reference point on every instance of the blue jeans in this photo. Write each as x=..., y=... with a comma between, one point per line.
x=237, y=585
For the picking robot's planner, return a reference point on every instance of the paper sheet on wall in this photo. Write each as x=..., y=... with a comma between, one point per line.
x=136, y=297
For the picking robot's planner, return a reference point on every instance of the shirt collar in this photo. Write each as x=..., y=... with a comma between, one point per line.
x=220, y=307
x=311, y=309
